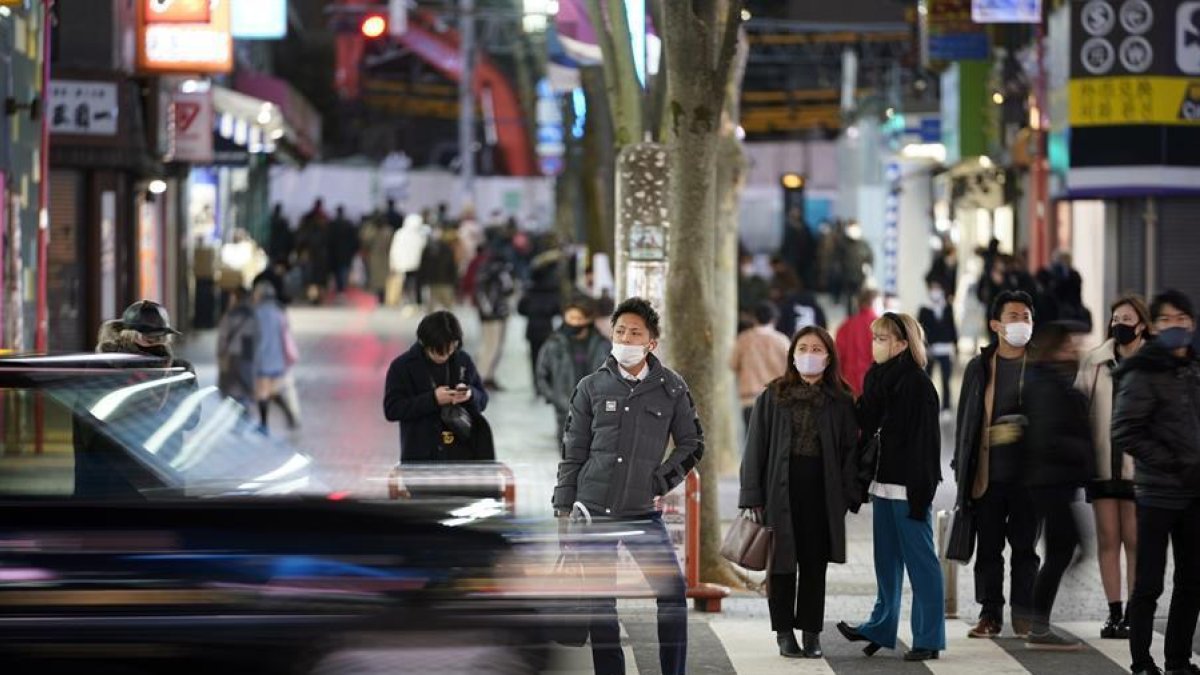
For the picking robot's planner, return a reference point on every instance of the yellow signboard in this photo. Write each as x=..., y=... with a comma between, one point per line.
x=1129, y=100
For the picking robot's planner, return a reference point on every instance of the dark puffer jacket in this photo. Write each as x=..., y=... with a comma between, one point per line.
x=616, y=437
x=1156, y=421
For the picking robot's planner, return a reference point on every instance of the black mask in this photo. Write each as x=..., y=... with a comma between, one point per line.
x=1123, y=334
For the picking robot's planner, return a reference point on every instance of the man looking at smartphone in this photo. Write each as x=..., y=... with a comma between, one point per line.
x=434, y=391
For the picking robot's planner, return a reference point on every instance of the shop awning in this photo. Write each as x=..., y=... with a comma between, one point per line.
x=247, y=121
x=303, y=122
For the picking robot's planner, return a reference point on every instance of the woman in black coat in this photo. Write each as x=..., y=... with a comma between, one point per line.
x=798, y=464
x=899, y=406
x=426, y=386
x=1059, y=459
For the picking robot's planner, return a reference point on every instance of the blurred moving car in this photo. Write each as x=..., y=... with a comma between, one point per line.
x=149, y=527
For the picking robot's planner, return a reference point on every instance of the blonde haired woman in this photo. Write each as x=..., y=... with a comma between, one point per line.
x=900, y=404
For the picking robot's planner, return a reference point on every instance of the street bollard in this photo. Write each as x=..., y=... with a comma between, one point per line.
x=949, y=567
x=705, y=597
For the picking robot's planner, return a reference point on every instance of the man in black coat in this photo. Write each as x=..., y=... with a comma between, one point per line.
x=423, y=383
x=987, y=465
x=1156, y=421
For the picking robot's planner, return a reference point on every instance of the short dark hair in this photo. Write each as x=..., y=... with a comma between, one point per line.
x=1007, y=297
x=582, y=304
x=438, y=331
x=765, y=313
x=641, y=307
x=1175, y=298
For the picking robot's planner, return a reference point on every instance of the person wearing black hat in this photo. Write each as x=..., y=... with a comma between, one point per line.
x=144, y=329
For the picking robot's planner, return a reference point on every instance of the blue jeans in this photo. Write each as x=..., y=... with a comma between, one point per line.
x=650, y=545
x=901, y=542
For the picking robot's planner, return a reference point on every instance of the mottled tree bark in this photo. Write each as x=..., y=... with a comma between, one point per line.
x=700, y=40
x=731, y=177
x=599, y=159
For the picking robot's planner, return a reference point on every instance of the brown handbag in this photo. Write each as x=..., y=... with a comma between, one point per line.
x=749, y=543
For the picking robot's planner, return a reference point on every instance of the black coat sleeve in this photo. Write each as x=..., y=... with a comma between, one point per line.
x=754, y=461
x=925, y=471
x=401, y=401
x=848, y=444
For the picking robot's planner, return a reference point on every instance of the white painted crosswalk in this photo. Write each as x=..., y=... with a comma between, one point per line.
x=749, y=646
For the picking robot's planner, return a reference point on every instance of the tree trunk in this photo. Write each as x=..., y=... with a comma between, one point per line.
x=597, y=175
x=700, y=41
x=731, y=177
x=620, y=75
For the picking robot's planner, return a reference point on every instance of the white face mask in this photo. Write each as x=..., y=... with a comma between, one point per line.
x=1018, y=334
x=810, y=364
x=628, y=355
x=937, y=295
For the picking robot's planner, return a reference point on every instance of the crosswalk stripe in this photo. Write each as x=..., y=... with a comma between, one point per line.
x=748, y=645
x=1117, y=651
x=964, y=654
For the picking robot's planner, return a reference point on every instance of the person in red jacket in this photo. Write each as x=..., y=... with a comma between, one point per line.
x=854, y=340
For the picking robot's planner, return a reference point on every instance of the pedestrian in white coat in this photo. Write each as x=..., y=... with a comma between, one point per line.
x=408, y=245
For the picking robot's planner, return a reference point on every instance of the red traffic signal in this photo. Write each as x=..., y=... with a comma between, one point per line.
x=373, y=26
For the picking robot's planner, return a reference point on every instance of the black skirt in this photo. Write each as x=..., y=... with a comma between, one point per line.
x=1110, y=489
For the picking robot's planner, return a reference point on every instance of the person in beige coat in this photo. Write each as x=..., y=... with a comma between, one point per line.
x=1111, y=491
x=759, y=357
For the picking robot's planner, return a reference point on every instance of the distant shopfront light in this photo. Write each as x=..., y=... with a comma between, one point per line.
x=157, y=186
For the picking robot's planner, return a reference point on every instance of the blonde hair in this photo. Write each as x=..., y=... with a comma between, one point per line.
x=915, y=334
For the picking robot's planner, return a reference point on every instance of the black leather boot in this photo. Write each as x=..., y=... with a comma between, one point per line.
x=812, y=645
x=788, y=647
x=851, y=634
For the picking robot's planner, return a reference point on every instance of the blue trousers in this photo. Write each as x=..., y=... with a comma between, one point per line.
x=902, y=542
x=651, y=548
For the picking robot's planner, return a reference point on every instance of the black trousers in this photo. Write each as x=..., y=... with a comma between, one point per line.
x=946, y=365
x=1005, y=513
x=797, y=598
x=1157, y=526
x=1053, y=508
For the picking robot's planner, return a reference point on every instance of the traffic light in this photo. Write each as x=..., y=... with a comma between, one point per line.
x=373, y=26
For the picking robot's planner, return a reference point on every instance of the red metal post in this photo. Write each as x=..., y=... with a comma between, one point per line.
x=705, y=597
x=41, y=330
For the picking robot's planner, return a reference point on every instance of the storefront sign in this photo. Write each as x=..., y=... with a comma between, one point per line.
x=259, y=19
x=108, y=254
x=1106, y=101
x=82, y=107
x=191, y=128
x=1006, y=11
x=178, y=11
x=149, y=265
x=1133, y=96
x=950, y=34
x=184, y=36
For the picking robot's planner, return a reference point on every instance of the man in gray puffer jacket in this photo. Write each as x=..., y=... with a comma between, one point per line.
x=620, y=421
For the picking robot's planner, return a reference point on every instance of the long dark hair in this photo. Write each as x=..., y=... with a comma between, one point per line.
x=832, y=377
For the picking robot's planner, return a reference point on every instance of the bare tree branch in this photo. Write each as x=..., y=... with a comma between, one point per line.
x=727, y=50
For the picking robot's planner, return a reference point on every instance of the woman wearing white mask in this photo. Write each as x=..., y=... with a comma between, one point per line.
x=798, y=466
x=900, y=406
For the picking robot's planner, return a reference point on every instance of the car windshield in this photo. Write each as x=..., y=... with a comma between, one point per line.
x=94, y=431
